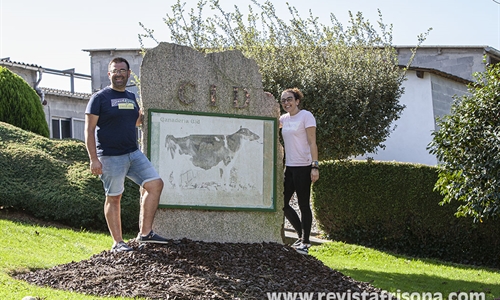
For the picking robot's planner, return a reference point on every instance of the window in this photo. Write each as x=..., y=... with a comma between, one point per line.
x=63, y=128
x=78, y=129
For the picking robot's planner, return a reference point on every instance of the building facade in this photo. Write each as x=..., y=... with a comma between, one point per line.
x=64, y=110
x=436, y=75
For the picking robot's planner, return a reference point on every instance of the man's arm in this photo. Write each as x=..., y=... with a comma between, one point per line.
x=140, y=118
x=90, y=143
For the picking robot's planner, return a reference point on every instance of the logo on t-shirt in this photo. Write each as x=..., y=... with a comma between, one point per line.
x=123, y=103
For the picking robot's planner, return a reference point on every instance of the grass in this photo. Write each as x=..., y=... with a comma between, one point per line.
x=26, y=246
x=400, y=274
x=29, y=247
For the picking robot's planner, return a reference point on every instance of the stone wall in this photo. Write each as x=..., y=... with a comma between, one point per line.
x=178, y=78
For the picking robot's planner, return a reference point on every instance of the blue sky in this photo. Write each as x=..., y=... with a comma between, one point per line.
x=53, y=33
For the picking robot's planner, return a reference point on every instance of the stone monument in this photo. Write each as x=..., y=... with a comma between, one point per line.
x=212, y=132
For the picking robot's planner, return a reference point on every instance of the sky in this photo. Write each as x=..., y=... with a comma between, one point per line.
x=54, y=33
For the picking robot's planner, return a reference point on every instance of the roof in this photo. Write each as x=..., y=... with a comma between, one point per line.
x=440, y=73
x=488, y=49
x=63, y=93
x=138, y=50
x=7, y=62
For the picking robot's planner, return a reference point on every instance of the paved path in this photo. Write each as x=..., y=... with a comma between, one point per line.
x=291, y=237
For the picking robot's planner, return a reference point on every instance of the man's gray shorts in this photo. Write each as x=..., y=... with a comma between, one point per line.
x=134, y=165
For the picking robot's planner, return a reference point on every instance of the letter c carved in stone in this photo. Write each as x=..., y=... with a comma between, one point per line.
x=183, y=93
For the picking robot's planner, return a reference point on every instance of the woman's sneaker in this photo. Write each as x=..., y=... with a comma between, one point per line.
x=303, y=248
x=121, y=247
x=151, y=238
x=297, y=243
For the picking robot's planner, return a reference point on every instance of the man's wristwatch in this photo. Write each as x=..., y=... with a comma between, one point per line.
x=315, y=164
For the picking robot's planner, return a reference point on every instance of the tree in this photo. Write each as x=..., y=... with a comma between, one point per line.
x=20, y=104
x=467, y=144
x=350, y=77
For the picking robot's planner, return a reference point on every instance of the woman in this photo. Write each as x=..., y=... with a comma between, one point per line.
x=298, y=129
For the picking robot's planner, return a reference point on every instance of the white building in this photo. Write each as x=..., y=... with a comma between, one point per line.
x=436, y=75
x=64, y=109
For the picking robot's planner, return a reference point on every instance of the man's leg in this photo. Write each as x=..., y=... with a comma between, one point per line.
x=113, y=217
x=143, y=173
x=149, y=203
x=114, y=169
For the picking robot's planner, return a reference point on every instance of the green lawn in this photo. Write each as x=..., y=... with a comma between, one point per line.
x=399, y=274
x=25, y=246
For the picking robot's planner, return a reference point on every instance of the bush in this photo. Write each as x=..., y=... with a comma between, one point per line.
x=20, y=104
x=467, y=144
x=50, y=179
x=392, y=206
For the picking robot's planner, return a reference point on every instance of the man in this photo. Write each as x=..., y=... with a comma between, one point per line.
x=111, y=118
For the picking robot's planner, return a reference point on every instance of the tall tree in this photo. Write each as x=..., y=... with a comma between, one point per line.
x=20, y=104
x=350, y=76
x=467, y=145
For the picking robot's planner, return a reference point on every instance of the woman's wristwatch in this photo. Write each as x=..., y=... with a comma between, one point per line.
x=315, y=164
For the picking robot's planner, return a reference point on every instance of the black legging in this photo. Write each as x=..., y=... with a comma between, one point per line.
x=298, y=180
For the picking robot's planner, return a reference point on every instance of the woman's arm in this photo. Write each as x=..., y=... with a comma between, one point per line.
x=311, y=140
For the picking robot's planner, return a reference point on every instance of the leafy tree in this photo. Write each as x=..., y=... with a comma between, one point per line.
x=349, y=76
x=20, y=104
x=468, y=147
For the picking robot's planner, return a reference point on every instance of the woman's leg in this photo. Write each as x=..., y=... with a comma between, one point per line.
x=290, y=213
x=302, y=181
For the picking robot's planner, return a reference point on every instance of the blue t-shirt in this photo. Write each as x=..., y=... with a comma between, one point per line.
x=116, y=128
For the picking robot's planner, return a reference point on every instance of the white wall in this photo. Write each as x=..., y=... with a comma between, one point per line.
x=409, y=140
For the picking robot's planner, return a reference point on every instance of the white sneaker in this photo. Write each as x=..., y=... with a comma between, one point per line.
x=297, y=243
x=303, y=248
x=121, y=247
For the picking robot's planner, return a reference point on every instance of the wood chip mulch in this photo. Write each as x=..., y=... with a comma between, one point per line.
x=186, y=269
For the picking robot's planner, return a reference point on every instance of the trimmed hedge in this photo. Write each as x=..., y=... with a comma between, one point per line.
x=51, y=180
x=393, y=206
x=20, y=104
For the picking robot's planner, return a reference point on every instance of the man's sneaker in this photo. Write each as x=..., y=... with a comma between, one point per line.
x=121, y=247
x=151, y=238
x=297, y=243
x=303, y=248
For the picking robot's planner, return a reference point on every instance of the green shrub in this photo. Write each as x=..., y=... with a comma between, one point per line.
x=392, y=206
x=51, y=180
x=20, y=104
x=466, y=145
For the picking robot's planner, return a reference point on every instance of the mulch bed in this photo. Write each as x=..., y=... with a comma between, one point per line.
x=186, y=269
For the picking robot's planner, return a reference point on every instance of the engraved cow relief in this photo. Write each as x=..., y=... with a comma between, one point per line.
x=213, y=161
